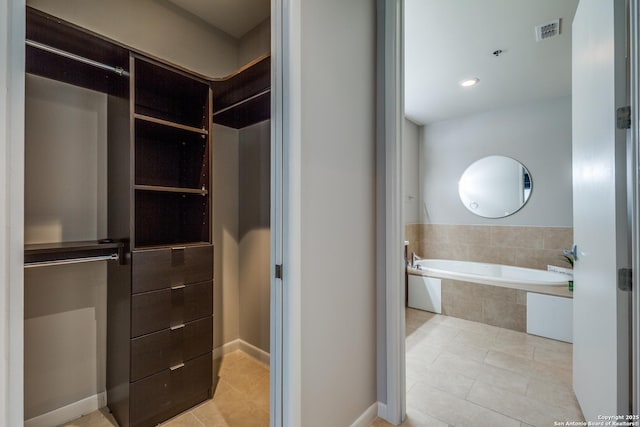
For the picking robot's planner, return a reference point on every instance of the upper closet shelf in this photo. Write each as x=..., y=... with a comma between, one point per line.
x=244, y=98
x=64, y=52
x=171, y=124
x=201, y=191
x=46, y=254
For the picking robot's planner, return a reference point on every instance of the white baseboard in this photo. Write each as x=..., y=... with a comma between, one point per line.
x=70, y=412
x=382, y=411
x=367, y=416
x=238, y=344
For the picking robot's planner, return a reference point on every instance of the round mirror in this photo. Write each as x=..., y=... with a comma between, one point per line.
x=495, y=187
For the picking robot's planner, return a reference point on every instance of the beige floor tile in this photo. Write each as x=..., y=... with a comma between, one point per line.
x=522, y=349
x=553, y=356
x=517, y=364
x=520, y=407
x=437, y=335
x=469, y=351
x=455, y=411
x=99, y=418
x=185, y=420
x=504, y=379
x=480, y=338
x=451, y=363
x=453, y=383
x=552, y=393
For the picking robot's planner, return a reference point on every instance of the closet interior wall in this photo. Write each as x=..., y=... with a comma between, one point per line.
x=65, y=314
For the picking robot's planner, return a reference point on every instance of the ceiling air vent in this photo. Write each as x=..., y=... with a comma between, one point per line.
x=548, y=30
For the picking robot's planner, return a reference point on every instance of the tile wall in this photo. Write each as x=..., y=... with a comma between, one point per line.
x=531, y=247
x=491, y=305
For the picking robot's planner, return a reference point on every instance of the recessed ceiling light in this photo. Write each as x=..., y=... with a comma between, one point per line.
x=469, y=82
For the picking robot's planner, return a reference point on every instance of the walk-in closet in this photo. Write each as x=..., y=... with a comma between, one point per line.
x=147, y=215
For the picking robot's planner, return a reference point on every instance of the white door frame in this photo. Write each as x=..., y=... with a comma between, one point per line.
x=390, y=250
x=12, y=25
x=390, y=115
x=286, y=201
x=634, y=50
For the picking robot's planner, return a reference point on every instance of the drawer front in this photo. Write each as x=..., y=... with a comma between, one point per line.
x=154, y=269
x=161, y=350
x=161, y=396
x=158, y=310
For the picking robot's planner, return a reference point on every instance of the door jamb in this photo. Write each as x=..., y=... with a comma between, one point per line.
x=390, y=255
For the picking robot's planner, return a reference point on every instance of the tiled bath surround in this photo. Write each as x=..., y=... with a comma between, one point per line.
x=530, y=247
x=491, y=305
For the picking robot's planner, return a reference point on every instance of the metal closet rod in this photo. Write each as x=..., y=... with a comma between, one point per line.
x=113, y=257
x=242, y=102
x=118, y=70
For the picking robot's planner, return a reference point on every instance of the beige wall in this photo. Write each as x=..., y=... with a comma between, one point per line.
x=410, y=171
x=65, y=199
x=255, y=43
x=156, y=27
x=254, y=234
x=337, y=186
x=225, y=235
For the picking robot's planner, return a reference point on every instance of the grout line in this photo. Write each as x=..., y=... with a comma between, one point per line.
x=198, y=419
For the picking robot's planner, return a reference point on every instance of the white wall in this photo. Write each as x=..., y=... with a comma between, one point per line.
x=538, y=135
x=410, y=171
x=337, y=212
x=156, y=27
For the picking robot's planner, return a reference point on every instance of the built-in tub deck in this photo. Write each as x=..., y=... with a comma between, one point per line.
x=536, y=281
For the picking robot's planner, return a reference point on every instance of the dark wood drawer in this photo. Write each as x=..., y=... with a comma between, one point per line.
x=158, y=310
x=162, y=268
x=161, y=396
x=161, y=350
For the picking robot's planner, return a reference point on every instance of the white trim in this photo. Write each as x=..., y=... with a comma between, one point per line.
x=382, y=410
x=290, y=92
x=276, y=285
x=367, y=416
x=12, y=27
x=391, y=97
x=239, y=344
x=634, y=50
x=69, y=412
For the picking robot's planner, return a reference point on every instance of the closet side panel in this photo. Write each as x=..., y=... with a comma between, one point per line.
x=119, y=273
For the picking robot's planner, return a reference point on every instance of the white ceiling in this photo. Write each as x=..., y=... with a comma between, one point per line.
x=447, y=41
x=234, y=17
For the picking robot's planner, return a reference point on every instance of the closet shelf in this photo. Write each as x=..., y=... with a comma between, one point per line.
x=170, y=124
x=200, y=191
x=68, y=252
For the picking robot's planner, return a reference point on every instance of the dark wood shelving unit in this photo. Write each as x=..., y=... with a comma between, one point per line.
x=160, y=294
x=245, y=97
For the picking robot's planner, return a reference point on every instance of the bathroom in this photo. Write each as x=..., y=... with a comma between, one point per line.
x=66, y=312
x=514, y=110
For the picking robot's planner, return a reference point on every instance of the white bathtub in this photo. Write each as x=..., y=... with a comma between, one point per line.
x=489, y=274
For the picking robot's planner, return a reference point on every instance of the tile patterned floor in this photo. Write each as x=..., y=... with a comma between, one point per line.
x=241, y=400
x=459, y=373
x=462, y=373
